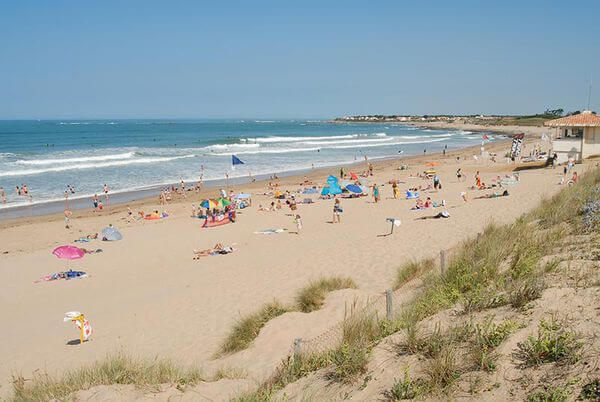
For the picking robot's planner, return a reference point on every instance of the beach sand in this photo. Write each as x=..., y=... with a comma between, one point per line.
x=146, y=296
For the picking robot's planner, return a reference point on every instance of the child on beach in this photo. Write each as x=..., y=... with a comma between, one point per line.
x=375, y=193
x=337, y=210
x=298, y=222
x=67, y=218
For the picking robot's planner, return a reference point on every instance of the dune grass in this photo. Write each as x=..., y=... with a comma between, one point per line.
x=411, y=270
x=247, y=328
x=311, y=297
x=114, y=369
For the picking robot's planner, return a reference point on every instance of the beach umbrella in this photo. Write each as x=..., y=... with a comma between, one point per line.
x=223, y=202
x=111, y=233
x=353, y=176
x=345, y=183
x=68, y=253
x=209, y=204
x=354, y=188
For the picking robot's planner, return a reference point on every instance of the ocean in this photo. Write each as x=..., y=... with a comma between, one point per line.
x=128, y=155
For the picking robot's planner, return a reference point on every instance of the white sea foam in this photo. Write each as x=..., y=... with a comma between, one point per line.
x=275, y=139
x=28, y=172
x=126, y=155
x=356, y=141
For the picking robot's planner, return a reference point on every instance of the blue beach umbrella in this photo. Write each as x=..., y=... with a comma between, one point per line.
x=354, y=188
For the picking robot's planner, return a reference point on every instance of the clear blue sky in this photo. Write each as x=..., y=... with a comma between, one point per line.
x=152, y=59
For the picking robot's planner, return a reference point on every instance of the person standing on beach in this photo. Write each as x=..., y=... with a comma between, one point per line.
x=2, y=195
x=183, y=189
x=370, y=169
x=298, y=222
x=95, y=202
x=66, y=200
x=458, y=174
x=436, y=181
x=106, y=193
x=337, y=210
x=395, y=190
x=375, y=193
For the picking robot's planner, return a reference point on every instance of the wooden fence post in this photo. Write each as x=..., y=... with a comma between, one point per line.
x=297, y=347
x=443, y=261
x=388, y=304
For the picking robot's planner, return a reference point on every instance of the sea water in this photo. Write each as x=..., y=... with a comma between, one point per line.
x=48, y=156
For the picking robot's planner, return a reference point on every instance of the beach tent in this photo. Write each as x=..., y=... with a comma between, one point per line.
x=333, y=185
x=111, y=233
x=325, y=190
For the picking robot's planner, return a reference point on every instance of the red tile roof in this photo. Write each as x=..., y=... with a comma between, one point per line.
x=584, y=119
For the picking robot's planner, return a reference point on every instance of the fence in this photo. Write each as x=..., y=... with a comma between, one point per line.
x=386, y=304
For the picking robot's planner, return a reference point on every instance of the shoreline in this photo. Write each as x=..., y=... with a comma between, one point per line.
x=10, y=216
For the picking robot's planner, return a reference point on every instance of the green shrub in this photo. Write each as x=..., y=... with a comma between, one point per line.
x=549, y=394
x=591, y=391
x=406, y=388
x=554, y=343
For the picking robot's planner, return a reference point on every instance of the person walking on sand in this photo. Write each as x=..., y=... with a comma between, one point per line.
x=106, y=193
x=337, y=210
x=66, y=200
x=2, y=195
x=298, y=222
x=375, y=193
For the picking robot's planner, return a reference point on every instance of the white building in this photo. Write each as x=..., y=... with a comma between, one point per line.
x=577, y=137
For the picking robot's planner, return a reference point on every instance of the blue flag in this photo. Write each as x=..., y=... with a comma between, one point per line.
x=235, y=161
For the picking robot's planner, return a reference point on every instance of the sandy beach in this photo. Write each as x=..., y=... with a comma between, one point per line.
x=146, y=296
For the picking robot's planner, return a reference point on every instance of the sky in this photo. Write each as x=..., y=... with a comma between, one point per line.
x=279, y=59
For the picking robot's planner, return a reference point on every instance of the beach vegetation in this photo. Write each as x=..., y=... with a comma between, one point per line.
x=411, y=270
x=247, y=328
x=554, y=342
x=405, y=388
x=114, y=369
x=549, y=394
x=311, y=297
x=590, y=391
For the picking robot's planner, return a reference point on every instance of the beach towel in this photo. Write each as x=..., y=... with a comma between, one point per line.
x=270, y=231
x=411, y=195
x=82, y=240
x=70, y=274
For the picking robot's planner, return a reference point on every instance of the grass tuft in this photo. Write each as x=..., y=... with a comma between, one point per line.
x=443, y=371
x=248, y=328
x=406, y=388
x=554, y=343
x=549, y=394
x=114, y=369
x=411, y=270
x=311, y=297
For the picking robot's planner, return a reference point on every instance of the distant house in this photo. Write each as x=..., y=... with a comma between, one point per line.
x=577, y=136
